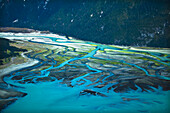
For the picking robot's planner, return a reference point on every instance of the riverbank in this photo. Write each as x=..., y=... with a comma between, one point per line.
x=8, y=96
x=19, y=30
x=14, y=67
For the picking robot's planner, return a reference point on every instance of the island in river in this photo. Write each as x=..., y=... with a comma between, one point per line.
x=59, y=74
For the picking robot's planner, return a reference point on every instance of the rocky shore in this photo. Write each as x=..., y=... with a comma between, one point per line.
x=9, y=96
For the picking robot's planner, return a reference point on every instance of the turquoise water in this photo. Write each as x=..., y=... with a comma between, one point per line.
x=55, y=97
x=49, y=97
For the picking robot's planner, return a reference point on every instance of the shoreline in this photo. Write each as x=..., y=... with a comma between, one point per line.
x=8, y=95
x=14, y=67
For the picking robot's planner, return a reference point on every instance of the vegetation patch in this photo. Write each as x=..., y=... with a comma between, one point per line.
x=7, y=51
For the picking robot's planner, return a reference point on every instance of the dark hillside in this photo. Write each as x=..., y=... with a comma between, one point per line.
x=122, y=22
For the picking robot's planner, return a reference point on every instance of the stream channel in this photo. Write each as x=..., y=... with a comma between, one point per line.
x=54, y=97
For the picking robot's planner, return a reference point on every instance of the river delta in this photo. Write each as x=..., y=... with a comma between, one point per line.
x=62, y=74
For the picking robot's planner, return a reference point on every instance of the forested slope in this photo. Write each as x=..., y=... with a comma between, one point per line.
x=122, y=22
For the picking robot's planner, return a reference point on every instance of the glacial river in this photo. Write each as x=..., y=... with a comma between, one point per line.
x=56, y=97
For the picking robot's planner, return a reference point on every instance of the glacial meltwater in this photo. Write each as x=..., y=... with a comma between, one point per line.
x=74, y=76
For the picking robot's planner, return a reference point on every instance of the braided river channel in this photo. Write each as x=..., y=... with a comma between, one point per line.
x=75, y=76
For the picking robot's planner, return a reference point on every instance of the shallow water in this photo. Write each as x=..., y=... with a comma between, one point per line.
x=53, y=96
